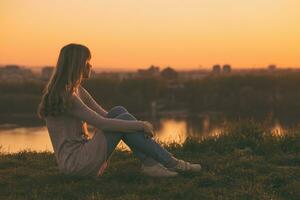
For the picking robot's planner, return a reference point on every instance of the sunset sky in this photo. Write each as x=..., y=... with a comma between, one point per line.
x=131, y=34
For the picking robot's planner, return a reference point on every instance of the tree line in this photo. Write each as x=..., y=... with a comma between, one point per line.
x=239, y=94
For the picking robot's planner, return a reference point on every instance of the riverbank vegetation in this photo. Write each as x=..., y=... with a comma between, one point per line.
x=236, y=94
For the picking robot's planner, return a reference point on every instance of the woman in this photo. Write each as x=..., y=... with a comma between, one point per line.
x=67, y=107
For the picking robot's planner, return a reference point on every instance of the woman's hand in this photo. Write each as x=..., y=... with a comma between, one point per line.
x=148, y=128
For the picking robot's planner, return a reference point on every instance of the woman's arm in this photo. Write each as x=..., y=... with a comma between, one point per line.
x=83, y=112
x=90, y=102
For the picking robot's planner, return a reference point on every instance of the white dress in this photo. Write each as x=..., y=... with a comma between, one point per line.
x=75, y=154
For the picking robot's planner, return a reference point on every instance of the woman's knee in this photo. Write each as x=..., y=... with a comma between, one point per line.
x=115, y=111
x=126, y=116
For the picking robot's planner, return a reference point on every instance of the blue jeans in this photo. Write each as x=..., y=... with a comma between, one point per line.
x=146, y=149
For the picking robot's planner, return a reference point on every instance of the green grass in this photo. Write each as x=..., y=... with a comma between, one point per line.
x=246, y=162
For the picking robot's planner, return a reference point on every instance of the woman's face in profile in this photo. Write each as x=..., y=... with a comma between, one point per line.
x=87, y=69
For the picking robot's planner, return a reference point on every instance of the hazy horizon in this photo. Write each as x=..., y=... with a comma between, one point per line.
x=121, y=69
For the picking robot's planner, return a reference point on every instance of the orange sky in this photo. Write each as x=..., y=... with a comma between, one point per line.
x=133, y=34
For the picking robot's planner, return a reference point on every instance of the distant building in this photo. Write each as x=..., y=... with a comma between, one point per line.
x=12, y=68
x=216, y=69
x=47, y=72
x=193, y=75
x=169, y=73
x=108, y=75
x=116, y=75
x=272, y=68
x=226, y=68
x=126, y=75
x=15, y=73
x=152, y=71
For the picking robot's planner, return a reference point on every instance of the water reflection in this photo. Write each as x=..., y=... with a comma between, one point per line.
x=172, y=131
x=33, y=138
x=168, y=130
x=277, y=129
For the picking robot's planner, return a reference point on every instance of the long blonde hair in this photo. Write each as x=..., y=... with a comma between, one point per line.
x=64, y=81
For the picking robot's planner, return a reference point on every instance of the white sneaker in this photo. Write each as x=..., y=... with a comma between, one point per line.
x=157, y=170
x=184, y=166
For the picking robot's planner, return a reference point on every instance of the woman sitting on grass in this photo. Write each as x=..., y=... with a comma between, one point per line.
x=67, y=107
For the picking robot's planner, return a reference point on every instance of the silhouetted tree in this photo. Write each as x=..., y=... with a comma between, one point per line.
x=226, y=68
x=169, y=73
x=216, y=69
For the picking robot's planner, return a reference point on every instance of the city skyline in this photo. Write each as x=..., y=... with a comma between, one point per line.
x=270, y=67
x=136, y=34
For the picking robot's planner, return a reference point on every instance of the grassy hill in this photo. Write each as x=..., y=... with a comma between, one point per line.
x=245, y=162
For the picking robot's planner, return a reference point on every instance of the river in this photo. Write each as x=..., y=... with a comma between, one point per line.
x=15, y=137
